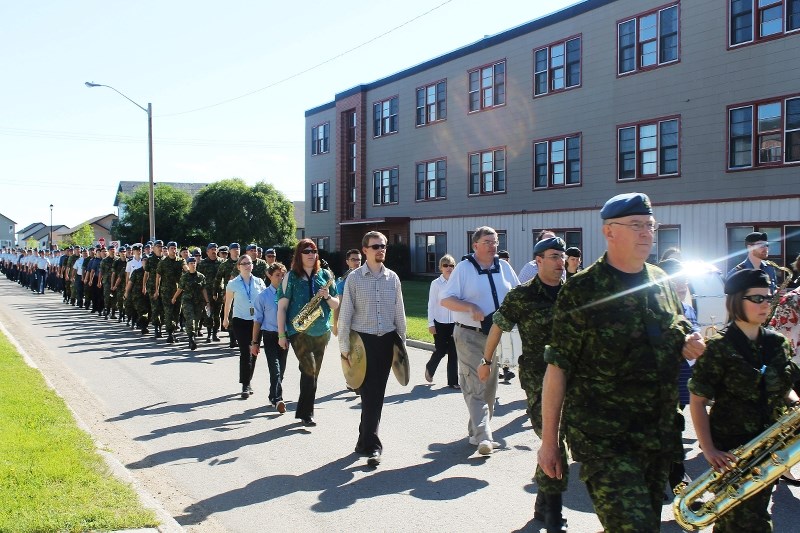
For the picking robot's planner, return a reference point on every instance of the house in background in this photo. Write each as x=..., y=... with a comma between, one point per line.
x=300, y=219
x=8, y=230
x=101, y=225
x=127, y=187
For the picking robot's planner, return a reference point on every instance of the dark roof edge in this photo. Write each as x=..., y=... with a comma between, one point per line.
x=493, y=40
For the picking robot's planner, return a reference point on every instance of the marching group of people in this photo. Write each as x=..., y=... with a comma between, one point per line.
x=611, y=354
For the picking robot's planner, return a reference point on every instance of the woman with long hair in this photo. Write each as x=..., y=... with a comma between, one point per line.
x=748, y=371
x=306, y=280
x=241, y=293
x=265, y=326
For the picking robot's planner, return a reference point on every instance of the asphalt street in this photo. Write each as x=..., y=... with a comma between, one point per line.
x=216, y=462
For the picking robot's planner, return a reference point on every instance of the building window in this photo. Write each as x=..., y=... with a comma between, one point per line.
x=385, y=186
x=572, y=237
x=648, y=150
x=432, y=180
x=666, y=237
x=350, y=162
x=557, y=67
x=487, y=86
x=752, y=21
x=430, y=248
x=431, y=103
x=323, y=243
x=737, y=251
x=502, y=239
x=557, y=162
x=320, y=139
x=648, y=41
x=764, y=134
x=487, y=172
x=320, y=193
x=385, y=117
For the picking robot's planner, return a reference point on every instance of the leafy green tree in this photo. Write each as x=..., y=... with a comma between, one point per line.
x=83, y=236
x=171, y=210
x=231, y=211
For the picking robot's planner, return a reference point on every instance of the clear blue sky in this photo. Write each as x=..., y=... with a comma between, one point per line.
x=64, y=144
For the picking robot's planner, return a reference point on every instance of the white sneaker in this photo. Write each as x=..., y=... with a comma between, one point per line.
x=473, y=441
x=485, y=447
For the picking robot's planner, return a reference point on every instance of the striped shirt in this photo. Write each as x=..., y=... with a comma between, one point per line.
x=371, y=304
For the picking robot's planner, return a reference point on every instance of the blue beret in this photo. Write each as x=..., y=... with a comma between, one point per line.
x=233, y=246
x=191, y=259
x=624, y=205
x=196, y=252
x=211, y=245
x=159, y=242
x=172, y=243
x=553, y=243
x=270, y=251
x=251, y=246
x=747, y=278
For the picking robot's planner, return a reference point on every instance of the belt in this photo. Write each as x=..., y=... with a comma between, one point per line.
x=473, y=328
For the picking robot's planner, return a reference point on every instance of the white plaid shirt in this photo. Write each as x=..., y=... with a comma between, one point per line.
x=371, y=304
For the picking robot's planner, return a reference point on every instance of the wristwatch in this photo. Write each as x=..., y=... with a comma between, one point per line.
x=484, y=362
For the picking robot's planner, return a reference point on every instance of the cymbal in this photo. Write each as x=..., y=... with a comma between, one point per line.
x=354, y=366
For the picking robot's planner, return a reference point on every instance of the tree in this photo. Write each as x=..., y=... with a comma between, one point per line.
x=83, y=236
x=171, y=210
x=230, y=211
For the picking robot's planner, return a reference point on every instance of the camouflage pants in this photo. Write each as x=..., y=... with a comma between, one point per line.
x=171, y=311
x=142, y=306
x=67, y=289
x=213, y=321
x=627, y=491
x=156, y=310
x=109, y=297
x=193, y=313
x=532, y=385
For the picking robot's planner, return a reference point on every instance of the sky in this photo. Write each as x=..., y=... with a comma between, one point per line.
x=229, y=83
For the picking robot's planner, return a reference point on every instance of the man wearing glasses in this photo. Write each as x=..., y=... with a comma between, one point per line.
x=617, y=340
x=475, y=290
x=353, y=260
x=757, y=245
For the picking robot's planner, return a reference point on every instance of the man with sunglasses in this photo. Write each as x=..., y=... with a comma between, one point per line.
x=353, y=260
x=757, y=244
x=372, y=306
x=617, y=340
x=475, y=290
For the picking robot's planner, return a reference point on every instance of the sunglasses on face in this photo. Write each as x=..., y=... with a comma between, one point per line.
x=448, y=266
x=758, y=298
x=309, y=251
x=377, y=246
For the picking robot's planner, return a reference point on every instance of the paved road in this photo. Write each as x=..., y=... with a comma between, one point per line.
x=219, y=463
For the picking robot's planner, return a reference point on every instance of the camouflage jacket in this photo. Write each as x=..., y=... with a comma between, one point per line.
x=170, y=271
x=620, y=350
x=119, y=270
x=260, y=268
x=106, y=267
x=68, y=271
x=192, y=286
x=748, y=381
x=136, y=279
x=209, y=268
x=150, y=268
x=530, y=307
x=225, y=271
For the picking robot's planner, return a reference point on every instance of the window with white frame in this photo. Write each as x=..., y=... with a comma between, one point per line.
x=323, y=243
x=502, y=240
x=319, y=196
x=557, y=67
x=666, y=237
x=432, y=180
x=385, y=117
x=385, y=186
x=648, y=41
x=431, y=103
x=487, y=86
x=320, y=139
x=751, y=21
x=572, y=237
x=765, y=133
x=429, y=250
x=487, y=172
x=648, y=149
x=557, y=162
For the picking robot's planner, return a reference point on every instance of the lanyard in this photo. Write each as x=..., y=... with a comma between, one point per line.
x=248, y=289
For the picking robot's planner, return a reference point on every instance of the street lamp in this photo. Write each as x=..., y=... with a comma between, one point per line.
x=50, y=240
x=149, y=110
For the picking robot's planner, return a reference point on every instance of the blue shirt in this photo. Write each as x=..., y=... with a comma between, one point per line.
x=245, y=296
x=768, y=268
x=267, y=309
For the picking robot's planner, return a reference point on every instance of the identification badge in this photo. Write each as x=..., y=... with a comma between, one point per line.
x=252, y=311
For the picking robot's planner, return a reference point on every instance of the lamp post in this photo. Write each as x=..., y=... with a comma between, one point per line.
x=151, y=198
x=50, y=240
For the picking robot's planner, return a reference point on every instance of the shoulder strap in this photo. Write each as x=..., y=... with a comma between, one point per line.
x=488, y=271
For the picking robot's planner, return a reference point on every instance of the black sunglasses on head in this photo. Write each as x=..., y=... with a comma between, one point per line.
x=377, y=246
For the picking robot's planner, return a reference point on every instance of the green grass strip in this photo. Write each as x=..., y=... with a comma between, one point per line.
x=51, y=478
x=415, y=299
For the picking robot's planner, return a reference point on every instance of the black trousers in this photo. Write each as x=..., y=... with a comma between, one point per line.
x=276, y=362
x=379, y=363
x=444, y=344
x=243, y=332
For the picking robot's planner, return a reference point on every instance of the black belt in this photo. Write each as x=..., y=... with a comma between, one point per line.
x=473, y=328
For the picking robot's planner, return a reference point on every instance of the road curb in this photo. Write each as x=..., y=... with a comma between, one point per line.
x=422, y=345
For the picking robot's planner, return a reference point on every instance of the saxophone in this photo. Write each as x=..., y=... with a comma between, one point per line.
x=760, y=463
x=311, y=311
x=787, y=278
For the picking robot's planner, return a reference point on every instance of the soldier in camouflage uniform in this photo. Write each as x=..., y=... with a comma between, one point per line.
x=156, y=309
x=69, y=272
x=530, y=307
x=748, y=371
x=617, y=340
x=259, y=265
x=106, y=274
x=168, y=274
x=227, y=271
x=119, y=281
x=194, y=298
x=133, y=265
x=209, y=267
x=137, y=301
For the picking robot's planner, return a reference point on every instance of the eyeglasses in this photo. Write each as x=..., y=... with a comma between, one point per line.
x=246, y=263
x=489, y=243
x=377, y=246
x=639, y=226
x=556, y=257
x=759, y=298
x=309, y=251
x=448, y=266
x=353, y=259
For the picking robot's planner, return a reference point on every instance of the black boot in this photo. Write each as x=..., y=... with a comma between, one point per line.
x=208, y=336
x=214, y=335
x=232, y=341
x=540, y=506
x=192, y=344
x=158, y=331
x=143, y=326
x=170, y=338
x=553, y=521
